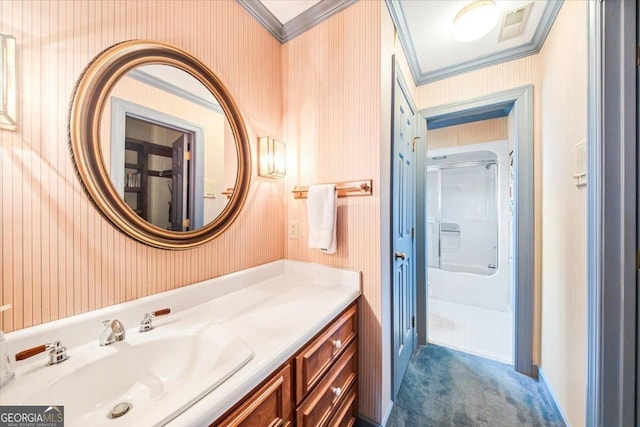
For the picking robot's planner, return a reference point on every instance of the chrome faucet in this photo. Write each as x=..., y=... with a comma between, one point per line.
x=113, y=331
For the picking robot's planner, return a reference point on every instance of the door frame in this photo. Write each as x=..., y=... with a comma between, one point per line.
x=120, y=109
x=523, y=232
x=612, y=215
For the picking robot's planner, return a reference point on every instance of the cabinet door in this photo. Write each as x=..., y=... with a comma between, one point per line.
x=269, y=406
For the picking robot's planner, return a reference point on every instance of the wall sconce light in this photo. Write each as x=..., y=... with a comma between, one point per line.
x=8, y=94
x=273, y=158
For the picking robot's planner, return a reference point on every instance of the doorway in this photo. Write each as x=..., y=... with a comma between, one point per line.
x=157, y=172
x=519, y=102
x=469, y=244
x=157, y=165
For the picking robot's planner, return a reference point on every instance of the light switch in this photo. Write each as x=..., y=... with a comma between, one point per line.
x=293, y=229
x=209, y=188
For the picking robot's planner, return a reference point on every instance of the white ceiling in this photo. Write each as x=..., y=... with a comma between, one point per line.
x=285, y=10
x=430, y=26
x=425, y=31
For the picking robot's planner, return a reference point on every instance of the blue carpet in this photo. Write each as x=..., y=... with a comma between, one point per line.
x=444, y=387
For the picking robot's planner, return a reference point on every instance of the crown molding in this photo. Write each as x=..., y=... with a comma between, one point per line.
x=298, y=25
x=158, y=83
x=421, y=78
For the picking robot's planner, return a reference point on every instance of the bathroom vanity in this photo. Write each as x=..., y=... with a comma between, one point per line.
x=325, y=387
x=271, y=345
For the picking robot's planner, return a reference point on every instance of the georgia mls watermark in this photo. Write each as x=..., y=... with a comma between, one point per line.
x=31, y=416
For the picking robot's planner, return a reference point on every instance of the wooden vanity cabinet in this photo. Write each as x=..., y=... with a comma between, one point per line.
x=318, y=387
x=315, y=358
x=320, y=407
x=270, y=405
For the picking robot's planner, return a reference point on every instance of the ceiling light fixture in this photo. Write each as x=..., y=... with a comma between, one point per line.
x=475, y=20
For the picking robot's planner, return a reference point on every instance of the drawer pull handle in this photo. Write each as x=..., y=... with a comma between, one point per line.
x=337, y=344
x=337, y=391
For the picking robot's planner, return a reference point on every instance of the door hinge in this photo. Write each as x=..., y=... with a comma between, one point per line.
x=186, y=223
x=415, y=140
x=187, y=155
x=413, y=232
x=413, y=322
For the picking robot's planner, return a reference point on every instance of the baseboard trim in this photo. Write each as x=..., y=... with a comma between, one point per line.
x=387, y=414
x=363, y=421
x=545, y=383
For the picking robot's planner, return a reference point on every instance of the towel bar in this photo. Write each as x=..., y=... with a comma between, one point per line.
x=344, y=189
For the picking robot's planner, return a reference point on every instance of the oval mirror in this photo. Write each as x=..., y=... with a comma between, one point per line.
x=159, y=144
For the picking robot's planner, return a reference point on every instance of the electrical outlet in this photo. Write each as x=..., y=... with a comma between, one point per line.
x=293, y=229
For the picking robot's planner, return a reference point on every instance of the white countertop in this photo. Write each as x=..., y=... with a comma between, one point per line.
x=274, y=308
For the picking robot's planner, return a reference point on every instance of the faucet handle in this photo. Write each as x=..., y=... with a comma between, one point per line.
x=145, y=324
x=25, y=354
x=57, y=352
x=162, y=312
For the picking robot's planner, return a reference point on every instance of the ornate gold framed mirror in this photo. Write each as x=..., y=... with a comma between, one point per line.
x=159, y=144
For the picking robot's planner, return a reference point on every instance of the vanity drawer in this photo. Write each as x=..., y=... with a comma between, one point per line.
x=345, y=415
x=331, y=392
x=316, y=358
x=269, y=406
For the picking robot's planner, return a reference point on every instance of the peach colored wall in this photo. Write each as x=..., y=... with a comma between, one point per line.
x=485, y=81
x=467, y=134
x=332, y=130
x=564, y=206
x=59, y=256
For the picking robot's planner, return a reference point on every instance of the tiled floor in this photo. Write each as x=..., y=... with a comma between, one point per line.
x=475, y=330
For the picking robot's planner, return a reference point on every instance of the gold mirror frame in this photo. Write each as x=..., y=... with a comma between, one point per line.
x=88, y=102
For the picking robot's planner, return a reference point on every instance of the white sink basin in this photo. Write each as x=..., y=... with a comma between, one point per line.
x=159, y=374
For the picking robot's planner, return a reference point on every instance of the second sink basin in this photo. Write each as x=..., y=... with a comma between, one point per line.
x=155, y=375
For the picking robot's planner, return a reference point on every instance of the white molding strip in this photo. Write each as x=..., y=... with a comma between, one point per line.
x=545, y=383
x=421, y=78
x=154, y=81
x=387, y=415
x=298, y=25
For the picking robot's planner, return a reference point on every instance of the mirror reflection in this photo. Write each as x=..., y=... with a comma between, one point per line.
x=169, y=147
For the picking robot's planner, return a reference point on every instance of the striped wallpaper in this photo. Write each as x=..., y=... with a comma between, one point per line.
x=332, y=130
x=59, y=256
x=564, y=207
x=468, y=133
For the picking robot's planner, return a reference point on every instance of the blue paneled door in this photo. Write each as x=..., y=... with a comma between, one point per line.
x=403, y=231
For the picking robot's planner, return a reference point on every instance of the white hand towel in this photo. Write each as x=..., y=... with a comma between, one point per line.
x=322, y=205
